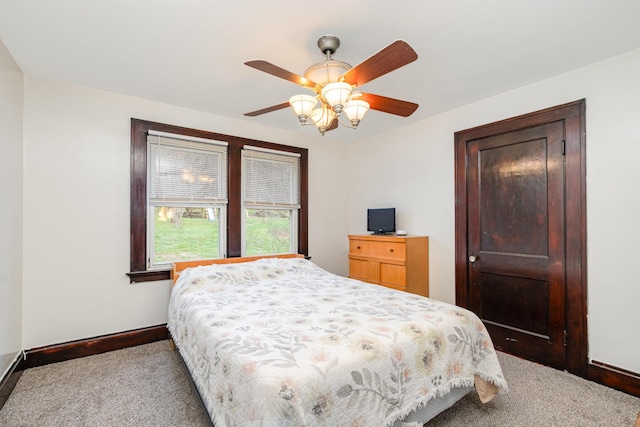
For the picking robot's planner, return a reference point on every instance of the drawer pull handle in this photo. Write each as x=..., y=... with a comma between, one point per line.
x=391, y=250
x=358, y=247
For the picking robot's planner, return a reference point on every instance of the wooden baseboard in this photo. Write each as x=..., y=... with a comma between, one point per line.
x=87, y=347
x=614, y=377
x=10, y=379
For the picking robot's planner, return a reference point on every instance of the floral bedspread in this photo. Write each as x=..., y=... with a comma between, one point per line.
x=282, y=342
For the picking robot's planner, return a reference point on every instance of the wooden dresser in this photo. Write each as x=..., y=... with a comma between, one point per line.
x=393, y=261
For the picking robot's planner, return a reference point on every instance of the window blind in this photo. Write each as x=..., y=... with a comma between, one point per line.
x=183, y=169
x=270, y=178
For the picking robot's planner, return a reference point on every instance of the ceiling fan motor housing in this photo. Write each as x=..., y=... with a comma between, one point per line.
x=328, y=44
x=328, y=70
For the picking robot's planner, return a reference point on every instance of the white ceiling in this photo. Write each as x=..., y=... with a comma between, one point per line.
x=191, y=53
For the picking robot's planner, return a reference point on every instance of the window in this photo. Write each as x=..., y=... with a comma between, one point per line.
x=186, y=198
x=166, y=205
x=271, y=199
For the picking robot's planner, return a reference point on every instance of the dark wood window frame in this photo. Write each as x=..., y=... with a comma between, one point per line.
x=138, y=248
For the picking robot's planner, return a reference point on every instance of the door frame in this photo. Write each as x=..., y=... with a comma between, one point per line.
x=573, y=115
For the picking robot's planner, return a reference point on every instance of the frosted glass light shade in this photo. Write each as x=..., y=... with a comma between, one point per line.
x=355, y=111
x=326, y=71
x=303, y=105
x=336, y=95
x=322, y=117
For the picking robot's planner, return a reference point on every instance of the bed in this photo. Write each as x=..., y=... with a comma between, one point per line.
x=279, y=341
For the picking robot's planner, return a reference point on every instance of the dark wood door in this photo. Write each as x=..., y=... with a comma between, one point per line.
x=521, y=233
x=515, y=211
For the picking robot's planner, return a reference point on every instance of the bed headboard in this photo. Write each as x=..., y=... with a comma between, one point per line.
x=178, y=267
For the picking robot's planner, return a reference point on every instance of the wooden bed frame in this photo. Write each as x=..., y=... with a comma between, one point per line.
x=180, y=266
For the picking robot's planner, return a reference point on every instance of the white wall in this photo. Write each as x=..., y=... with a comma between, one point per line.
x=76, y=199
x=11, y=98
x=413, y=169
x=76, y=208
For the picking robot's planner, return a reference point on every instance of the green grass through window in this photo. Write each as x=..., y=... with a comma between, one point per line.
x=185, y=239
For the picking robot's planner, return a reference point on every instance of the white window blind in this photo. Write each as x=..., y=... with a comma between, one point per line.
x=183, y=169
x=270, y=178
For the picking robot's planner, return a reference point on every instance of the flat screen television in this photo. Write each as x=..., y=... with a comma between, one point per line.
x=381, y=220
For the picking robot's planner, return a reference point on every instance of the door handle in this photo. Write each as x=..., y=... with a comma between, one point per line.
x=473, y=259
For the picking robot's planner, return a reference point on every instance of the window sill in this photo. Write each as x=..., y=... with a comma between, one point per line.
x=149, y=275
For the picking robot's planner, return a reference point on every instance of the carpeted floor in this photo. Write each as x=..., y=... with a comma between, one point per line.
x=139, y=386
x=148, y=386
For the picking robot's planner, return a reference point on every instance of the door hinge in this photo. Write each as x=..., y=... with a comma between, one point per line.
x=565, y=337
x=563, y=144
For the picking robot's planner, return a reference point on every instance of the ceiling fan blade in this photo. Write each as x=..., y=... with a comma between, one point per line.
x=389, y=105
x=392, y=57
x=268, y=109
x=274, y=70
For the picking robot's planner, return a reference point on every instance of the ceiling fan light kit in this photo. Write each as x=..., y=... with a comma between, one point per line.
x=323, y=117
x=303, y=105
x=336, y=95
x=355, y=111
x=333, y=83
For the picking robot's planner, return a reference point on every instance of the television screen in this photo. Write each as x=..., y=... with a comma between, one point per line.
x=381, y=220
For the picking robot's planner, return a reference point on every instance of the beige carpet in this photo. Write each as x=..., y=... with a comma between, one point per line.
x=147, y=386
x=138, y=386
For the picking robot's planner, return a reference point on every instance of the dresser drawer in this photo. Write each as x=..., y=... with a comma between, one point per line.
x=363, y=269
x=393, y=275
x=378, y=249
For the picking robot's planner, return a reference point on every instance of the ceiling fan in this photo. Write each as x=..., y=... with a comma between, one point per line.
x=333, y=83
